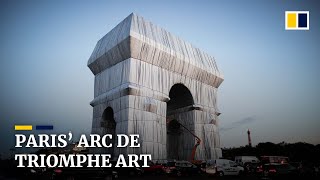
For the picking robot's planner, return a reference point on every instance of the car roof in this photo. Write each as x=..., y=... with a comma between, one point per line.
x=275, y=164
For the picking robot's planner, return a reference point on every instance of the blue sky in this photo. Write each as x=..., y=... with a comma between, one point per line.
x=271, y=75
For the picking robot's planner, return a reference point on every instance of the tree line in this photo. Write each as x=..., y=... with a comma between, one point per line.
x=297, y=152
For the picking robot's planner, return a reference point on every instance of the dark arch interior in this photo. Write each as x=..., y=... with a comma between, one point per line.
x=108, y=115
x=109, y=125
x=180, y=96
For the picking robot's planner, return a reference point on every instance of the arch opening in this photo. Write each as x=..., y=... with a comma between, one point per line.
x=180, y=97
x=179, y=141
x=109, y=127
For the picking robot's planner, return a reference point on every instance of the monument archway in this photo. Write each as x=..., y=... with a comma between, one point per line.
x=149, y=77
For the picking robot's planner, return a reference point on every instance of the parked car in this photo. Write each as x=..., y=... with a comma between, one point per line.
x=74, y=173
x=161, y=162
x=181, y=168
x=251, y=168
x=35, y=173
x=126, y=171
x=274, y=159
x=306, y=169
x=242, y=160
x=221, y=167
x=210, y=168
x=153, y=168
x=278, y=170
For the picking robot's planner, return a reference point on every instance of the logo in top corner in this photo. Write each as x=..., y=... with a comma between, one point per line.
x=297, y=20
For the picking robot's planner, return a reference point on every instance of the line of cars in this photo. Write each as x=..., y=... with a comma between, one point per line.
x=105, y=173
x=266, y=167
x=218, y=167
x=74, y=173
x=243, y=165
x=274, y=167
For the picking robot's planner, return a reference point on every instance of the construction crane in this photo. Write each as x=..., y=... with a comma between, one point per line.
x=198, y=141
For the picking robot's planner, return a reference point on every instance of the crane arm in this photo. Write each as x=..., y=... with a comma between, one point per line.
x=194, y=149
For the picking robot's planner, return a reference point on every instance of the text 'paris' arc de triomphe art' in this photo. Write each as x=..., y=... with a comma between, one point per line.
x=152, y=83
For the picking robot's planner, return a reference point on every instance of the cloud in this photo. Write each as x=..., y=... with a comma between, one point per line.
x=239, y=123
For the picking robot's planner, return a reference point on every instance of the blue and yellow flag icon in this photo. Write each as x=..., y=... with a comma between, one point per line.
x=297, y=20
